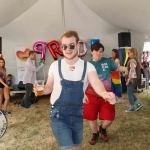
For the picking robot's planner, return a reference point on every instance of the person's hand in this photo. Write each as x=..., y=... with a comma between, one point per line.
x=110, y=97
x=34, y=89
x=127, y=82
x=85, y=99
x=6, y=86
x=125, y=72
x=43, y=61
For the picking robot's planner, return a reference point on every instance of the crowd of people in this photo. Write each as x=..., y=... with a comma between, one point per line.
x=89, y=92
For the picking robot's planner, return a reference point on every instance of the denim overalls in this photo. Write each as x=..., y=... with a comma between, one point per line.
x=66, y=116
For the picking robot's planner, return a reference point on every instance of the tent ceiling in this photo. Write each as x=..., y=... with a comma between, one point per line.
x=11, y=9
x=128, y=14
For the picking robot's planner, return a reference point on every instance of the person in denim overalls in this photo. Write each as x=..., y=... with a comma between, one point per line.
x=67, y=111
x=67, y=81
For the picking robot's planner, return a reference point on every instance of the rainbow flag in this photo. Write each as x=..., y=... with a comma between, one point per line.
x=123, y=55
x=116, y=83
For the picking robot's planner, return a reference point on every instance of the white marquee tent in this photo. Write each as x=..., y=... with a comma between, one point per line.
x=24, y=22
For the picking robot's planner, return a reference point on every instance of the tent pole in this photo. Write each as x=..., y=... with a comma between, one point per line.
x=63, y=15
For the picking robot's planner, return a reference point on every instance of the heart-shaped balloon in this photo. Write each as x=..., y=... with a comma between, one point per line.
x=23, y=55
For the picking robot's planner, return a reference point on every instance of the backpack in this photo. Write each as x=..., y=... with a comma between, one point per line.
x=21, y=86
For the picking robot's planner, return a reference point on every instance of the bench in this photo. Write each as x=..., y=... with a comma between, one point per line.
x=16, y=90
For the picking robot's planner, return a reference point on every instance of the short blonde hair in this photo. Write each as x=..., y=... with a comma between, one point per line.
x=71, y=33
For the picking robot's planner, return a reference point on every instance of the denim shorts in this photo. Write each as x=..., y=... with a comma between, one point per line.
x=67, y=126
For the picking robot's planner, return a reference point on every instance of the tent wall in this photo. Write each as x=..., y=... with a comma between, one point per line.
x=43, y=22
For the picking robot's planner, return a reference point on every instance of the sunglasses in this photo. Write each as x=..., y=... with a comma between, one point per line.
x=65, y=46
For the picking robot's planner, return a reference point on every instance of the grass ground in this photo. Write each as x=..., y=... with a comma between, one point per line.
x=30, y=129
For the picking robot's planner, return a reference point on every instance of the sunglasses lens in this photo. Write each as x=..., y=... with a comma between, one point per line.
x=64, y=47
x=72, y=46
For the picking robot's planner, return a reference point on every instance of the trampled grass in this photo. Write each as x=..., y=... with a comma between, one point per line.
x=30, y=129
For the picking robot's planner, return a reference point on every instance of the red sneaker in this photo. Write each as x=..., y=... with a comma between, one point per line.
x=94, y=139
x=103, y=134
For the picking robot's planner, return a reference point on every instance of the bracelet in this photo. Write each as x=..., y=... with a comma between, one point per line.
x=103, y=94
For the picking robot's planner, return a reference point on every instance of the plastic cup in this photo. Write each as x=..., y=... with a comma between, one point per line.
x=39, y=87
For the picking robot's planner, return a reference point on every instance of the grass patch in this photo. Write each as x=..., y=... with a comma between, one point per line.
x=30, y=129
x=35, y=132
x=38, y=112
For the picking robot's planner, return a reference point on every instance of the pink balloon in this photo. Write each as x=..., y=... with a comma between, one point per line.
x=40, y=48
x=82, y=48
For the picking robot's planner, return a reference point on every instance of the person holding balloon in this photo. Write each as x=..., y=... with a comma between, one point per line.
x=29, y=78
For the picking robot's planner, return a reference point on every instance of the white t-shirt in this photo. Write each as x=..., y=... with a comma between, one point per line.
x=69, y=72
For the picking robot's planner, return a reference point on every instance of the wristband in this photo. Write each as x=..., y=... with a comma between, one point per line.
x=103, y=94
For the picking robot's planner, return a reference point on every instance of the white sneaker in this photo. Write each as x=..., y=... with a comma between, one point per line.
x=120, y=100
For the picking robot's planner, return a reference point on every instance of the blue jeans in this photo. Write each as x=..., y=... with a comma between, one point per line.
x=147, y=76
x=67, y=126
x=130, y=91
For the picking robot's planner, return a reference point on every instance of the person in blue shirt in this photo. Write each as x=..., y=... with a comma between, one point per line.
x=96, y=106
x=9, y=79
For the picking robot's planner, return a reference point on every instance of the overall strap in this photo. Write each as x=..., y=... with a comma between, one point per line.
x=84, y=71
x=59, y=69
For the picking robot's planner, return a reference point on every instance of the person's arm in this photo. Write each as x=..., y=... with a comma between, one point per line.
x=4, y=83
x=140, y=63
x=48, y=88
x=117, y=61
x=6, y=79
x=142, y=59
x=99, y=87
x=123, y=69
x=32, y=67
x=148, y=61
x=115, y=67
x=1, y=80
